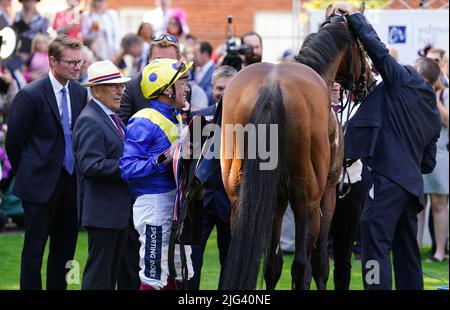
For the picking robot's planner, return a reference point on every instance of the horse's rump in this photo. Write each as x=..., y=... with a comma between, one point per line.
x=296, y=99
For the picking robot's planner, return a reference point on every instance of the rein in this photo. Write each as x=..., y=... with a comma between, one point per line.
x=356, y=91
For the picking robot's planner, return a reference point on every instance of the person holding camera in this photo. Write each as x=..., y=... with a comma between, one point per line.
x=254, y=40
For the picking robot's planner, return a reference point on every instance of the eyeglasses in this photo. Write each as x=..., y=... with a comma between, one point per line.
x=73, y=63
x=165, y=37
x=115, y=86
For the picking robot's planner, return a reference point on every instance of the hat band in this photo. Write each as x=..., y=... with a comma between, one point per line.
x=105, y=78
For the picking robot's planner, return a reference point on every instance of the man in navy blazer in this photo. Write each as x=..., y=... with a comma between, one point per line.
x=39, y=147
x=104, y=200
x=205, y=69
x=216, y=205
x=394, y=132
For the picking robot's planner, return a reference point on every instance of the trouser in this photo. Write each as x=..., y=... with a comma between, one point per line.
x=343, y=232
x=152, y=216
x=58, y=219
x=210, y=218
x=3, y=220
x=129, y=265
x=106, y=247
x=389, y=222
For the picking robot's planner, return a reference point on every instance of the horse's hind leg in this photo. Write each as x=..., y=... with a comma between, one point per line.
x=319, y=259
x=274, y=264
x=307, y=223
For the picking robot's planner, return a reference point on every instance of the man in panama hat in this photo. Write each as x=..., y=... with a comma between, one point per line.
x=104, y=200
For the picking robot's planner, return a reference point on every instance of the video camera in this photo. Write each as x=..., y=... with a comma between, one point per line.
x=234, y=51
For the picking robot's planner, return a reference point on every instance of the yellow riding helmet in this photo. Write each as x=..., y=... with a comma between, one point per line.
x=160, y=74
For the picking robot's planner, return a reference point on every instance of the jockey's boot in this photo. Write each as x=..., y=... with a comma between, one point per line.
x=180, y=285
x=170, y=286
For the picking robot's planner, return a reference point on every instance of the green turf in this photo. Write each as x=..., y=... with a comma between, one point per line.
x=435, y=274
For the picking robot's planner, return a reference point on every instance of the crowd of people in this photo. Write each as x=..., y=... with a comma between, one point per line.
x=95, y=118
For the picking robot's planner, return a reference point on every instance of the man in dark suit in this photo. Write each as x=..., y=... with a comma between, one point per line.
x=216, y=206
x=132, y=99
x=394, y=132
x=104, y=200
x=39, y=147
x=164, y=46
x=205, y=69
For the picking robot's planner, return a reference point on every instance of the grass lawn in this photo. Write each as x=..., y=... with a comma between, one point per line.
x=435, y=274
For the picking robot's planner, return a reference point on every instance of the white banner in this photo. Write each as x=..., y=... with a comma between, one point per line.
x=406, y=30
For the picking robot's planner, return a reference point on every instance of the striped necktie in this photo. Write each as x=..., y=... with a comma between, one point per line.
x=118, y=125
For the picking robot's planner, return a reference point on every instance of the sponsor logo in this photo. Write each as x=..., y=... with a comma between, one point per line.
x=153, y=247
x=397, y=35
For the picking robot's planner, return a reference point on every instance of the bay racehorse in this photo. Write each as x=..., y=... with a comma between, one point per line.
x=296, y=97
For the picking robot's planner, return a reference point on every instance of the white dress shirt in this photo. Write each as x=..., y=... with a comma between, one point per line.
x=200, y=74
x=57, y=87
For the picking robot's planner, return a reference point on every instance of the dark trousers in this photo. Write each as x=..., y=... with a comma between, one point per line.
x=3, y=220
x=129, y=265
x=105, y=252
x=343, y=232
x=56, y=219
x=389, y=222
x=210, y=219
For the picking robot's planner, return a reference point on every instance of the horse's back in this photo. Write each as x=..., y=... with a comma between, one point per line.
x=300, y=86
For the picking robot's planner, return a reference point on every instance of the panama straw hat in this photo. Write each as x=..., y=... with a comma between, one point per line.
x=104, y=72
x=160, y=74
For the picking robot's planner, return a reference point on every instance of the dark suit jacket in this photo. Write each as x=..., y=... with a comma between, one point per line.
x=205, y=83
x=35, y=139
x=396, y=128
x=209, y=173
x=132, y=99
x=208, y=111
x=104, y=199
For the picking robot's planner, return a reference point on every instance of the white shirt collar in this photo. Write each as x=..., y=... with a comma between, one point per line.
x=56, y=85
x=207, y=65
x=103, y=107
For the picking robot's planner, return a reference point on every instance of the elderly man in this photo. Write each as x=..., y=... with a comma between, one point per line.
x=104, y=201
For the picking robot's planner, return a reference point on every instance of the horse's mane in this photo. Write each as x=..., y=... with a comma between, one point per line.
x=320, y=49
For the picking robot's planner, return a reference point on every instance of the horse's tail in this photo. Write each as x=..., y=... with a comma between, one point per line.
x=258, y=197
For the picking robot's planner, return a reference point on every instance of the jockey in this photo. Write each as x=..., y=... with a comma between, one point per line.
x=146, y=165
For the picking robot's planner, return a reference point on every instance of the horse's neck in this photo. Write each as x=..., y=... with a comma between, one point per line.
x=331, y=72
